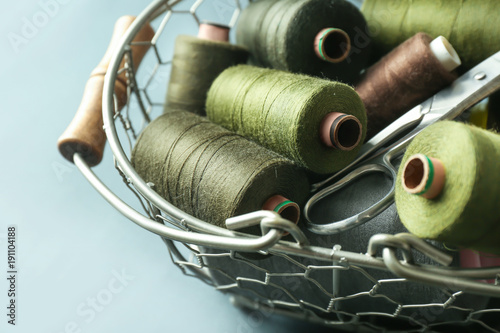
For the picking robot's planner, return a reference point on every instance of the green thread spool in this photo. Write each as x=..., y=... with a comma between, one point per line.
x=196, y=63
x=471, y=26
x=465, y=212
x=214, y=174
x=326, y=38
x=289, y=114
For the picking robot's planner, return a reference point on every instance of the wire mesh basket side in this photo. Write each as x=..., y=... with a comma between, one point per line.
x=290, y=276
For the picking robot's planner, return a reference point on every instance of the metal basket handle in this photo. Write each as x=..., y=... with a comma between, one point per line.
x=85, y=134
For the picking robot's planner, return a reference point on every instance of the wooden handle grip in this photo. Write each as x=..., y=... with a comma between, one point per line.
x=85, y=133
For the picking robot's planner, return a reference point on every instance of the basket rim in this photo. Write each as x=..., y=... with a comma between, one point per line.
x=210, y=235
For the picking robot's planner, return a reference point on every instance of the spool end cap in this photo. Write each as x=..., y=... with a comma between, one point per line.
x=288, y=210
x=332, y=45
x=213, y=31
x=445, y=53
x=424, y=176
x=341, y=131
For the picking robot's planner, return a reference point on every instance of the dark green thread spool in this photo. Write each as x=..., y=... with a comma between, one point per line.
x=196, y=63
x=287, y=113
x=325, y=38
x=471, y=26
x=465, y=212
x=212, y=173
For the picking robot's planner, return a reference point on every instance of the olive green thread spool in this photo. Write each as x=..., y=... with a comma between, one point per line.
x=470, y=26
x=317, y=123
x=196, y=63
x=465, y=211
x=214, y=174
x=325, y=38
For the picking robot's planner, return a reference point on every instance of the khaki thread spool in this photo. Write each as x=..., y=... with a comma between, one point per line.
x=408, y=75
x=325, y=38
x=85, y=134
x=314, y=122
x=196, y=63
x=465, y=211
x=471, y=26
x=214, y=174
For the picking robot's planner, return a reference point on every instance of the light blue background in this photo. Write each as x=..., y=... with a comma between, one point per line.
x=71, y=243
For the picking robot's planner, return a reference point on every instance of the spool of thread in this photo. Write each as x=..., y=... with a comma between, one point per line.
x=470, y=26
x=326, y=38
x=411, y=73
x=464, y=212
x=315, y=122
x=359, y=195
x=214, y=174
x=196, y=63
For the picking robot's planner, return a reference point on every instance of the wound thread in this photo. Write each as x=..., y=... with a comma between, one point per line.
x=471, y=26
x=211, y=173
x=402, y=79
x=284, y=113
x=466, y=211
x=284, y=35
x=195, y=64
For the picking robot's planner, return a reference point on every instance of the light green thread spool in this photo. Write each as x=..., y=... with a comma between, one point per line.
x=471, y=26
x=466, y=211
x=214, y=174
x=287, y=113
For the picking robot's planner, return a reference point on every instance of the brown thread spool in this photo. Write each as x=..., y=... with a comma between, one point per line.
x=85, y=134
x=341, y=131
x=408, y=75
x=332, y=45
x=424, y=176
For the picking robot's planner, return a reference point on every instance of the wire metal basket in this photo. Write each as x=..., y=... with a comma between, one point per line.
x=291, y=276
